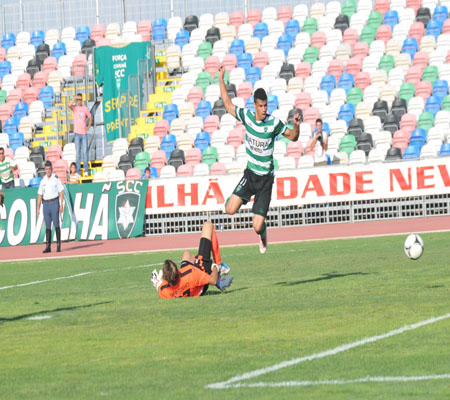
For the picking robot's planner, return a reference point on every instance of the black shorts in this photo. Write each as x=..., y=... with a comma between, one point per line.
x=202, y=259
x=259, y=186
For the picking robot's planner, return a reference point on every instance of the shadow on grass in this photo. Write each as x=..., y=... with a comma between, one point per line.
x=82, y=246
x=208, y=293
x=20, y=317
x=324, y=277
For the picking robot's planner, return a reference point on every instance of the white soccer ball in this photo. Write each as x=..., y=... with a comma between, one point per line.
x=414, y=246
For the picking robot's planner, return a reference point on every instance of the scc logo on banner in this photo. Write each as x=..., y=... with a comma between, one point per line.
x=95, y=211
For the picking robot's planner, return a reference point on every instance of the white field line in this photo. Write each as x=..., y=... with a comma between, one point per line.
x=327, y=353
x=78, y=275
x=39, y=317
x=368, y=379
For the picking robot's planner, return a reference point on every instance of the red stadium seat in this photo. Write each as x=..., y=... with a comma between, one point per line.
x=14, y=96
x=421, y=59
x=144, y=29
x=361, y=50
x=401, y=139
x=318, y=39
x=31, y=94
x=417, y=30
x=382, y=6
x=362, y=80
x=310, y=116
x=414, y=4
x=158, y=160
x=245, y=90
x=23, y=81
x=161, y=128
x=40, y=79
x=2, y=54
x=350, y=37
x=218, y=168
x=295, y=150
x=408, y=122
x=211, y=124
x=414, y=75
x=60, y=168
x=78, y=65
x=253, y=16
x=5, y=112
x=133, y=173
x=237, y=18
x=384, y=33
x=303, y=101
x=212, y=65
x=195, y=95
x=50, y=64
x=336, y=68
x=354, y=65
x=424, y=89
x=446, y=26
x=235, y=138
x=229, y=62
x=260, y=59
x=284, y=14
x=303, y=70
x=193, y=156
x=185, y=170
x=98, y=32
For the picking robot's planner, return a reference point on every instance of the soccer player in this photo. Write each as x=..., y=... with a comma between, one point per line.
x=196, y=273
x=262, y=130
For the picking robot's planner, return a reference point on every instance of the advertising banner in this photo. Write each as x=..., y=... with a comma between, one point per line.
x=113, y=66
x=97, y=211
x=307, y=186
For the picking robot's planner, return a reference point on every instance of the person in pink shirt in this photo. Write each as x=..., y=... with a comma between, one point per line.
x=80, y=128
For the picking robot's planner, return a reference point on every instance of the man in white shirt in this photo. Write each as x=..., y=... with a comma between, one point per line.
x=319, y=141
x=51, y=194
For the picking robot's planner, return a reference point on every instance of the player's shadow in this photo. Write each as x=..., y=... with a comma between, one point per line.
x=324, y=277
x=215, y=292
x=60, y=309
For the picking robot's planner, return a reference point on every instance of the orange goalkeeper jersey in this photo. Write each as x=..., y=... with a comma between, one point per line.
x=190, y=284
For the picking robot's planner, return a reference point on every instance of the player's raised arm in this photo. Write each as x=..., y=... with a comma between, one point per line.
x=229, y=106
x=292, y=134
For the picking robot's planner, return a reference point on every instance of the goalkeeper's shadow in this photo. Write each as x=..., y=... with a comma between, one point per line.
x=216, y=292
x=323, y=277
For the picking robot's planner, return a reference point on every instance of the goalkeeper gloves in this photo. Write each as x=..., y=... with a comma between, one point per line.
x=223, y=283
x=156, y=278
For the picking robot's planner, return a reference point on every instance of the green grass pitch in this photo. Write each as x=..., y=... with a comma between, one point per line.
x=110, y=336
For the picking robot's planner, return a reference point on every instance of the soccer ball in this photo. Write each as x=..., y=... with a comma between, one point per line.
x=413, y=246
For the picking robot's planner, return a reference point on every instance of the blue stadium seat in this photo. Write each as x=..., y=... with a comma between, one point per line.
x=250, y=104
x=261, y=30
x=35, y=182
x=272, y=103
x=59, y=49
x=10, y=126
x=433, y=105
x=418, y=138
x=8, y=40
x=46, y=95
x=37, y=38
x=83, y=34
x=237, y=47
x=434, y=28
x=284, y=43
x=328, y=83
x=410, y=46
x=253, y=74
x=159, y=28
x=445, y=150
x=391, y=18
x=20, y=111
x=202, y=140
x=346, y=81
x=170, y=112
x=411, y=153
x=182, y=38
x=292, y=29
x=16, y=140
x=440, y=13
x=5, y=68
x=440, y=89
x=347, y=112
x=168, y=144
x=204, y=109
x=245, y=60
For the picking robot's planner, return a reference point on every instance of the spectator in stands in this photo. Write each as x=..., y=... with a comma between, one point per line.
x=262, y=130
x=147, y=173
x=80, y=115
x=319, y=142
x=51, y=193
x=6, y=171
x=74, y=176
x=195, y=273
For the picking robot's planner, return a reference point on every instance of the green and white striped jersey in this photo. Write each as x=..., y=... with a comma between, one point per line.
x=260, y=140
x=5, y=172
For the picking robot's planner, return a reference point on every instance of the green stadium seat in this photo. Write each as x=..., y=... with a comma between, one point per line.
x=203, y=80
x=349, y=8
x=426, y=121
x=3, y=96
x=347, y=144
x=407, y=91
x=387, y=62
x=430, y=73
x=210, y=156
x=311, y=55
x=375, y=19
x=226, y=78
x=204, y=50
x=142, y=160
x=446, y=103
x=368, y=35
x=355, y=96
x=310, y=26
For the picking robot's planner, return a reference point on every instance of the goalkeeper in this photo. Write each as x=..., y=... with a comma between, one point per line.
x=196, y=273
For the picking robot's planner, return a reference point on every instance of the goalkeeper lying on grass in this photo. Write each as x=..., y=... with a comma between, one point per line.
x=195, y=273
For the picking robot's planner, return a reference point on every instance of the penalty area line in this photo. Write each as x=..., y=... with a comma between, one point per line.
x=327, y=353
x=367, y=379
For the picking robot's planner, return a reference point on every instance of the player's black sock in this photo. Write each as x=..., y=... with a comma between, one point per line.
x=263, y=232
